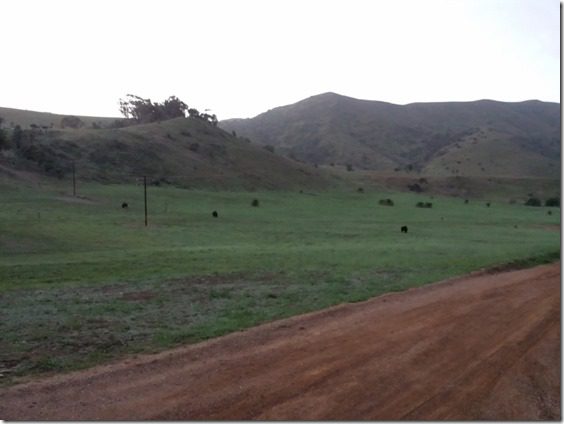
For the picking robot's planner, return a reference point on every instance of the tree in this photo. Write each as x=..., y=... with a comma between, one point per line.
x=4, y=142
x=17, y=135
x=144, y=110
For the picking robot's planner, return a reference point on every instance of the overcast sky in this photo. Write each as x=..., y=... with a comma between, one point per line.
x=242, y=57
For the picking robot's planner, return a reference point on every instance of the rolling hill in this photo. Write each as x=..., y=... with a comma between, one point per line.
x=480, y=138
x=26, y=118
x=186, y=152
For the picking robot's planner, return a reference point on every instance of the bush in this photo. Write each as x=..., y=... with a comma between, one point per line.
x=415, y=188
x=71, y=122
x=533, y=201
x=4, y=141
x=349, y=167
x=194, y=147
x=386, y=202
x=553, y=202
x=255, y=203
x=424, y=205
x=360, y=190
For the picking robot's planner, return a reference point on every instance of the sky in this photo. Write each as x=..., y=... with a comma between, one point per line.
x=240, y=58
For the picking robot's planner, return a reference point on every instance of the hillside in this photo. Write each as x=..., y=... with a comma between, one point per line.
x=26, y=118
x=481, y=138
x=186, y=152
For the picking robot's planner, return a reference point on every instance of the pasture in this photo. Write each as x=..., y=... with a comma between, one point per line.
x=83, y=281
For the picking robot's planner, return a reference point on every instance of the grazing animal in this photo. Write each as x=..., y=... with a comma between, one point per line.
x=488, y=204
x=214, y=214
x=124, y=205
x=549, y=212
x=404, y=229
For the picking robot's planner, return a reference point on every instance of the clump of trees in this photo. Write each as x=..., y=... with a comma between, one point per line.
x=143, y=111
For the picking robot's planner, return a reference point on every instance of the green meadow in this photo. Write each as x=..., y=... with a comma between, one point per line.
x=83, y=281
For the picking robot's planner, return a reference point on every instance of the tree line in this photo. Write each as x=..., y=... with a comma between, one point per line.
x=143, y=111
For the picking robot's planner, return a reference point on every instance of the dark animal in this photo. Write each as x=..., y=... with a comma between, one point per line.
x=404, y=229
x=488, y=204
x=124, y=205
x=549, y=212
x=214, y=214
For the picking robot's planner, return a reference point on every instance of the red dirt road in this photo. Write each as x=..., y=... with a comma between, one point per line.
x=479, y=347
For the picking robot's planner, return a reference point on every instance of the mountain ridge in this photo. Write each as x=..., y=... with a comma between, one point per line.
x=333, y=129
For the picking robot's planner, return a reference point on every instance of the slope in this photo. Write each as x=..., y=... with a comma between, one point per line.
x=186, y=152
x=457, y=138
x=26, y=118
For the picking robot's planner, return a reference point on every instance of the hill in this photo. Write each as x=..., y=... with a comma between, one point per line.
x=185, y=151
x=26, y=118
x=480, y=138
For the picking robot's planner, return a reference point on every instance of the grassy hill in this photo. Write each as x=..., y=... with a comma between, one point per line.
x=481, y=138
x=26, y=118
x=186, y=152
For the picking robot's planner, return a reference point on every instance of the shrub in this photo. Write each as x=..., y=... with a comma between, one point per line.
x=533, y=201
x=386, y=202
x=360, y=190
x=71, y=122
x=255, y=203
x=553, y=202
x=270, y=148
x=349, y=167
x=424, y=205
x=415, y=188
x=4, y=141
x=194, y=147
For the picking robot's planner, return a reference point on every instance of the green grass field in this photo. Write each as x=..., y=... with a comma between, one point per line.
x=83, y=281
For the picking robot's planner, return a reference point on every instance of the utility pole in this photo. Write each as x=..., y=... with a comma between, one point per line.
x=145, y=190
x=73, y=180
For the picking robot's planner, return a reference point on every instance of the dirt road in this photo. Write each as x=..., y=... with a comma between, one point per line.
x=480, y=347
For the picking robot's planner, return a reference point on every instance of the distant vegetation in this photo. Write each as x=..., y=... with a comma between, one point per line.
x=144, y=111
x=551, y=202
x=434, y=139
